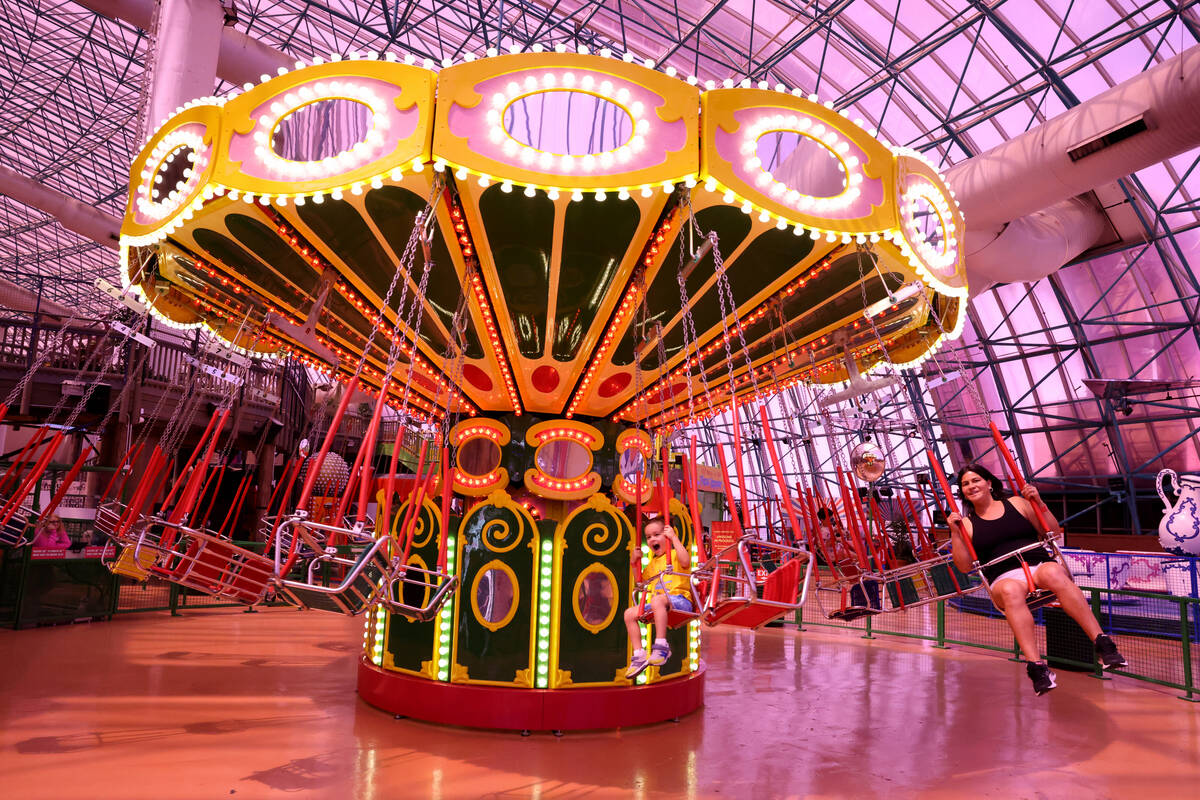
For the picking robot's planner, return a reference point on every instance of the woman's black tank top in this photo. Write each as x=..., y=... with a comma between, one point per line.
x=993, y=538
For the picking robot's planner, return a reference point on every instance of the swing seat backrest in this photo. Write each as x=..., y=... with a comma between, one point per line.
x=435, y=587
x=108, y=517
x=780, y=597
x=18, y=530
x=368, y=575
x=214, y=566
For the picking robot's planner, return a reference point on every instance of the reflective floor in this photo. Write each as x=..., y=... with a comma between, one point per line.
x=223, y=703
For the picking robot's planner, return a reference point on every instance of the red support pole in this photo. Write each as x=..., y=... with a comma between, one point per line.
x=352, y=483
x=737, y=452
x=31, y=480
x=287, y=470
x=447, y=493
x=310, y=480
x=694, y=499
x=235, y=508
x=153, y=470
x=853, y=527
x=187, y=500
x=389, y=484
x=364, y=487
x=881, y=531
x=945, y=484
x=412, y=505
x=183, y=473
x=906, y=503
x=66, y=483
x=1014, y=475
x=415, y=504
x=128, y=458
x=18, y=464
x=779, y=477
x=737, y=523
x=219, y=475
x=634, y=558
x=664, y=502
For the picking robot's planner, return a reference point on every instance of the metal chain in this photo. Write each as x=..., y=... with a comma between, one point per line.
x=690, y=339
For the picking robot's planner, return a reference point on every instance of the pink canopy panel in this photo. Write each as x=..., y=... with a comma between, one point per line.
x=951, y=79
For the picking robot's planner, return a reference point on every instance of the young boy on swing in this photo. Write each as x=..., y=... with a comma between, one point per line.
x=668, y=567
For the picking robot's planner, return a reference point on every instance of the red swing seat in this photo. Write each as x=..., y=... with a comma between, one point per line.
x=202, y=561
x=18, y=531
x=1037, y=597
x=675, y=617
x=738, y=602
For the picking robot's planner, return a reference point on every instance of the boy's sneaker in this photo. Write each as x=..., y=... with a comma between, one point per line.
x=659, y=654
x=1107, y=654
x=637, y=665
x=1041, y=675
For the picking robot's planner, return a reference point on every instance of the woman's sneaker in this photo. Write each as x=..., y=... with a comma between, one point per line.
x=1041, y=675
x=1107, y=653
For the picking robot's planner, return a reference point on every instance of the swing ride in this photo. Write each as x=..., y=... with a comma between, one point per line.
x=548, y=266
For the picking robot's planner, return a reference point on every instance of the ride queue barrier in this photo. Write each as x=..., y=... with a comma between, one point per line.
x=55, y=587
x=1156, y=632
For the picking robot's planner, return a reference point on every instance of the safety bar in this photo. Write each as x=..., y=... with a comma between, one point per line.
x=437, y=585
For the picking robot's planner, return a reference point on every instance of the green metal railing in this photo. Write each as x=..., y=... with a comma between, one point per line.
x=1155, y=632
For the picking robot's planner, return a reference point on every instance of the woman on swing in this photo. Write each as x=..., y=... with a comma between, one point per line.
x=996, y=525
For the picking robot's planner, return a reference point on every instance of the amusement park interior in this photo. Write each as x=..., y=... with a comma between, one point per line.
x=372, y=371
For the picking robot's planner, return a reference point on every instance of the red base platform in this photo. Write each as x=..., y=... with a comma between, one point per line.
x=529, y=709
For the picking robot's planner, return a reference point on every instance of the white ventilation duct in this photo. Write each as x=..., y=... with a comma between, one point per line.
x=240, y=59
x=88, y=222
x=1018, y=197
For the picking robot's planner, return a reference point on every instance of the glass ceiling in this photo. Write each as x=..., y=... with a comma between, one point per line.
x=949, y=78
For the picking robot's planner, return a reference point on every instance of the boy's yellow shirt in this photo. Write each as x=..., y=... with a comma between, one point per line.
x=675, y=584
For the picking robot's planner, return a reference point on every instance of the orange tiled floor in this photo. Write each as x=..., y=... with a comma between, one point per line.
x=227, y=704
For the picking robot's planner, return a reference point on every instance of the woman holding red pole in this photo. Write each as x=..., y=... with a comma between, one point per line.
x=995, y=525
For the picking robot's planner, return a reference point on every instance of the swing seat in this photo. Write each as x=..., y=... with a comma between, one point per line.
x=924, y=582
x=1040, y=599
x=131, y=564
x=366, y=577
x=738, y=600
x=19, y=528
x=108, y=517
x=1037, y=597
x=675, y=617
x=431, y=586
x=780, y=597
x=699, y=582
x=202, y=561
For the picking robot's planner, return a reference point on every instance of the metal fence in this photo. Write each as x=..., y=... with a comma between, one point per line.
x=1157, y=633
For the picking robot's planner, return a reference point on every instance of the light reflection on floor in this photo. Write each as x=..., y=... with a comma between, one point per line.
x=222, y=703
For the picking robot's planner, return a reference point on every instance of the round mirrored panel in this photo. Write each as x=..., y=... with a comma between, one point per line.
x=802, y=163
x=928, y=223
x=173, y=171
x=323, y=129
x=569, y=123
x=478, y=456
x=633, y=463
x=595, y=598
x=564, y=459
x=494, y=595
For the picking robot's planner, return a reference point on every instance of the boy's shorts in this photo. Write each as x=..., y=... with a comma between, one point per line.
x=680, y=602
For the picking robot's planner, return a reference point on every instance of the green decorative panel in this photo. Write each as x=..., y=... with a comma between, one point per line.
x=410, y=645
x=589, y=644
x=497, y=597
